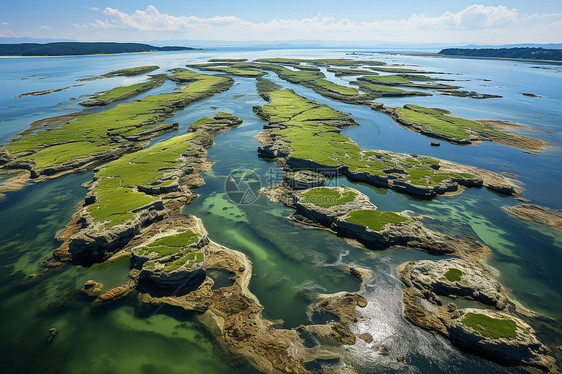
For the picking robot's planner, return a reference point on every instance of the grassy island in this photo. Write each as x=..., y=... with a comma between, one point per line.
x=96, y=137
x=127, y=72
x=249, y=73
x=306, y=135
x=136, y=179
x=125, y=92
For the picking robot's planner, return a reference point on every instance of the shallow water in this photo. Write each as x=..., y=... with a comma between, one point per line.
x=290, y=262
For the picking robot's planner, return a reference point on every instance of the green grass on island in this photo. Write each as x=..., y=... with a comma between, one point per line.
x=321, y=61
x=187, y=261
x=390, y=80
x=228, y=60
x=340, y=72
x=138, y=70
x=99, y=132
x=374, y=219
x=169, y=245
x=116, y=189
x=326, y=197
x=432, y=120
x=396, y=70
x=125, y=92
x=310, y=78
x=453, y=275
x=494, y=328
x=250, y=73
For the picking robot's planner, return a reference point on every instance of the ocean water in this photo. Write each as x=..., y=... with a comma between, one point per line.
x=291, y=263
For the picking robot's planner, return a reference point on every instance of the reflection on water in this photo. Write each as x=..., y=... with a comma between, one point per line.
x=291, y=263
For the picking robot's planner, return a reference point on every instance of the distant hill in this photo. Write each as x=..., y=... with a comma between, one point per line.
x=521, y=45
x=79, y=48
x=517, y=53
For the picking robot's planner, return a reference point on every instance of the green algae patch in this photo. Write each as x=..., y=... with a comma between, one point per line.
x=374, y=219
x=494, y=328
x=453, y=275
x=114, y=131
x=325, y=197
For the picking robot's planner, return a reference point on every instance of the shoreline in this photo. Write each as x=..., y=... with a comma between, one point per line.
x=422, y=54
x=103, y=54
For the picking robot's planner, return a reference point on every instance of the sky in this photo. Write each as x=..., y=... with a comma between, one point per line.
x=398, y=21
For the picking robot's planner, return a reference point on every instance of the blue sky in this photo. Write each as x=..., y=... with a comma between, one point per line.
x=413, y=21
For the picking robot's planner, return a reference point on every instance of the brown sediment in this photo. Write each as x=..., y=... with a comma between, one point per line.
x=538, y=214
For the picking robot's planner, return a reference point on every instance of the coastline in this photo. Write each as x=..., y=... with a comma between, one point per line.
x=106, y=54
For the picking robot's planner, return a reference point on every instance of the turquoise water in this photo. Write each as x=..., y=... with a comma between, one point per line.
x=291, y=263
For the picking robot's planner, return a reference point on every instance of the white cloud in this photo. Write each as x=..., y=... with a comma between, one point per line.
x=5, y=23
x=94, y=8
x=43, y=27
x=474, y=19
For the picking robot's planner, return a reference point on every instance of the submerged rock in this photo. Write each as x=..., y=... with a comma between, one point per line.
x=538, y=214
x=91, y=288
x=304, y=179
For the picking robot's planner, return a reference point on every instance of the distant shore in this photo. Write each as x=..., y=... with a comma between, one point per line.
x=104, y=54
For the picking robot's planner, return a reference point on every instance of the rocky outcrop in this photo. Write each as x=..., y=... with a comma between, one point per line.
x=454, y=278
x=499, y=334
x=304, y=179
x=91, y=288
x=538, y=214
x=523, y=349
x=95, y=242
x=405, y=231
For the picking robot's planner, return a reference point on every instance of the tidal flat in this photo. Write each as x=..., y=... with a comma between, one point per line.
x=159, y=256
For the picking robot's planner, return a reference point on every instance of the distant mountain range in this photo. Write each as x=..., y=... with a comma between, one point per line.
x=80, y=48
x=518, y=53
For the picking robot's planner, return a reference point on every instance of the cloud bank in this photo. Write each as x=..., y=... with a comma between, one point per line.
x=475, y=22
